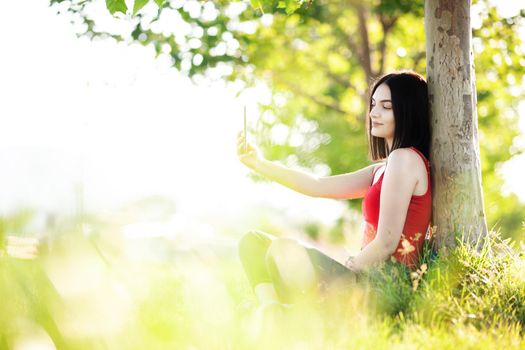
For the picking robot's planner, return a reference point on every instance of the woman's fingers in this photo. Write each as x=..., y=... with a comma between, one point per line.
x=22, y=247
x=241, y=147
x=246, y=152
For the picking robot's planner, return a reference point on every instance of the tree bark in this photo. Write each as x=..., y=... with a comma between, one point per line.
x=455, y=161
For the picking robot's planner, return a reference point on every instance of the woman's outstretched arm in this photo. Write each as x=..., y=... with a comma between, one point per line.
x=398, y=186
x=344, y=186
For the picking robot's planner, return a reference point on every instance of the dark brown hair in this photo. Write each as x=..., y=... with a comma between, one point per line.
x=410, y=106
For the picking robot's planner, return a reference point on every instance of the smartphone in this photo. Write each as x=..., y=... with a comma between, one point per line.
x=245, y=136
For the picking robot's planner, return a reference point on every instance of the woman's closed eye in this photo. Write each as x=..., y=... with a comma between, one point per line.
x=385, y=106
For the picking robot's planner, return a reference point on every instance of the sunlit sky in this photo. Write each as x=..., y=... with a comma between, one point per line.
x=121, y=123
x=124, y=125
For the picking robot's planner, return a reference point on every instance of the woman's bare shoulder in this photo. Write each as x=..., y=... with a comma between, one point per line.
x=406, y=161
x=404, y=155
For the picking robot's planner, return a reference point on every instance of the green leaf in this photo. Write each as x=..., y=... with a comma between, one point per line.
x=255, y=4
x=138, y=5
x=292, y=6
x=160, y=2
x=115, y=6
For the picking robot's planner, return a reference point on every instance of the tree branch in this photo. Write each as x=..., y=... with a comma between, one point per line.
x=363, y=52
x=418, y=58
x=296, y=89
x=337, y=78
x=365, y=43
x=386, y=23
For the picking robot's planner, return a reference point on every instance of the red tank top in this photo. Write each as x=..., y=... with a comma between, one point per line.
x=416, y=224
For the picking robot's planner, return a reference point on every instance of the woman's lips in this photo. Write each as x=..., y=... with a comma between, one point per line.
x=376, y=124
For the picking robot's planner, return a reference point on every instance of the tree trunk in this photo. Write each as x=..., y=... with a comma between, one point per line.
x=456, y=171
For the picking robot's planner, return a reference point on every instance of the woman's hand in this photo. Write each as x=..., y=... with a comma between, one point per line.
x=349, y=264
x=21, y=247
x=249, y=156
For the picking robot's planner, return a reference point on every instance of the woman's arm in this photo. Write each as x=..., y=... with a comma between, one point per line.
x=398, y=186
x=345, y=186
x=296, y=180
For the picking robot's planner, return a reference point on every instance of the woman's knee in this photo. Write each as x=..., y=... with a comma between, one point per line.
x=253, y=241
x=282, y=246
x=287, y=251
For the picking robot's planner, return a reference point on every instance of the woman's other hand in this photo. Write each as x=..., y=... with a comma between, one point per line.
x=249, y=156
x=349, y=264
x=22, y=247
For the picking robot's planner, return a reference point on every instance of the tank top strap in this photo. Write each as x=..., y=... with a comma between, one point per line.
x=376, y=169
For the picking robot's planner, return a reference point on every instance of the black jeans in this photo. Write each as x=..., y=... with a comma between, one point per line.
x=260, y=267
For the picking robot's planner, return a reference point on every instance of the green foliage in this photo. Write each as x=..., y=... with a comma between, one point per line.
x=115, y=6
x=498, y=58
x=289, y=6
x=398, y=7
x=17, y=221
x=391, y=288
x=481, y=289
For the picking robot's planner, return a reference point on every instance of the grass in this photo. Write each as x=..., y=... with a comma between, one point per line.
x=200, y=299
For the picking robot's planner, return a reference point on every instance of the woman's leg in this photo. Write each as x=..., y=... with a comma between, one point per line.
x=299, y=271
x=285, y=268
x=275, y=266
x=330, y=273
x=253, y=247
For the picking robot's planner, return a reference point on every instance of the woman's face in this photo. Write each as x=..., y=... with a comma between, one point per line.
x=382, y=114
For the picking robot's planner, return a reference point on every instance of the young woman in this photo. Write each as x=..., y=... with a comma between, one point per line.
x=396, y=205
